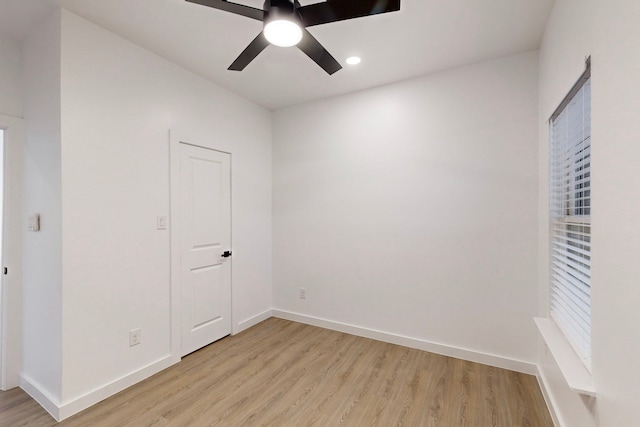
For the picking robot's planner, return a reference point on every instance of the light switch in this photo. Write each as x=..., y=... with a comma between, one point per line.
x=162, y=222
x=33, y=222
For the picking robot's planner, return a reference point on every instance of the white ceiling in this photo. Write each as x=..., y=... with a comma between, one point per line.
x=423, y=37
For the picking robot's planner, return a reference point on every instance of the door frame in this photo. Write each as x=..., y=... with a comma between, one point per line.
x=175, y=139
x=11, y=284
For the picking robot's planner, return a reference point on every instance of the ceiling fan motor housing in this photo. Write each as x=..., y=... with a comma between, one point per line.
x=281, y=9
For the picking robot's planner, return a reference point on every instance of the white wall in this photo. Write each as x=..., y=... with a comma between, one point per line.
x=42, y=263
x=98, y=111
x=11, y=80
x=607, y=31
x=411, y=208
x=118, y=103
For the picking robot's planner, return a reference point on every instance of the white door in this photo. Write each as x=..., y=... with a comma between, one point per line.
x=205, y=235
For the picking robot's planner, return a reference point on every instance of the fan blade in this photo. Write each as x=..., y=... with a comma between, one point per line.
x=339, y=10
x=255, y=47
x=238, y=9
x=318, y=53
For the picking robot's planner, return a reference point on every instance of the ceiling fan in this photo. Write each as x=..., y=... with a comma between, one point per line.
x=285, y=23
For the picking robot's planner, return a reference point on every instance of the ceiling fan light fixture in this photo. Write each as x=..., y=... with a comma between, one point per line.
x=286, y=21
x=283, y=32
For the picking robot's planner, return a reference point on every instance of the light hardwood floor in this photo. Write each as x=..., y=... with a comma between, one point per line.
x=282, y=373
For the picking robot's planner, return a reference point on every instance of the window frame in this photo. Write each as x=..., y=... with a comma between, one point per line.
x=569, y=311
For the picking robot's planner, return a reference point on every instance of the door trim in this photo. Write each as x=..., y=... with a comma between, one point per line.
x=175, y=139
x=11, y=284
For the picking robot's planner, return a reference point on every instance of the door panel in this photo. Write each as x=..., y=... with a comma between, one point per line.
x=205, y=296
x=205, y=233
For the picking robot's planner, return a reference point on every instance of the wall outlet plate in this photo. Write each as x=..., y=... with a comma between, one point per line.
x=134, y=337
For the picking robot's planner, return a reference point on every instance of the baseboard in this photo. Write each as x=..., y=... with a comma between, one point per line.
x=83, y=402
x=60, y=411
x=548, y=398
x=252, y=321
x=443, y=349
x=36, y=391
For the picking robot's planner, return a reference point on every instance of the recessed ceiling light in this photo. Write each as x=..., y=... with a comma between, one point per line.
x=353, y=60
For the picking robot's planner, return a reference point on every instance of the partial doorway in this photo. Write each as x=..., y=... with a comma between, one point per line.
x=2, y=264
x=204, y=227
x=10, y=251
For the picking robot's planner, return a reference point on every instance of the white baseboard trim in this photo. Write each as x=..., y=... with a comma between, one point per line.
x=548, y=398
x=83, y=402
x=60, y=411
x=252, y=321
x=37, y=392
x=443, y=349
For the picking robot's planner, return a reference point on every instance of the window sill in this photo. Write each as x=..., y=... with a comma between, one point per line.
x=575, y=373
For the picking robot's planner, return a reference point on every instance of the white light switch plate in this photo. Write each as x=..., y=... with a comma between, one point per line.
x=162, y=222
x=33, y=222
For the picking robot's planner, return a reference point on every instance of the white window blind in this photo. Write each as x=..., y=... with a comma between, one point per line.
x=570, y=219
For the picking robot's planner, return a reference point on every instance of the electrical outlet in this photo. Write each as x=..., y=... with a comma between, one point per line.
x=303, y=293
x=134, y=337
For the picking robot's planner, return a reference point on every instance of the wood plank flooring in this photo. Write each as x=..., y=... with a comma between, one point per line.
x=282, y=373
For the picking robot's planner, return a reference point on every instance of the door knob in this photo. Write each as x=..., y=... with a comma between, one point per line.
x=226, y=254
